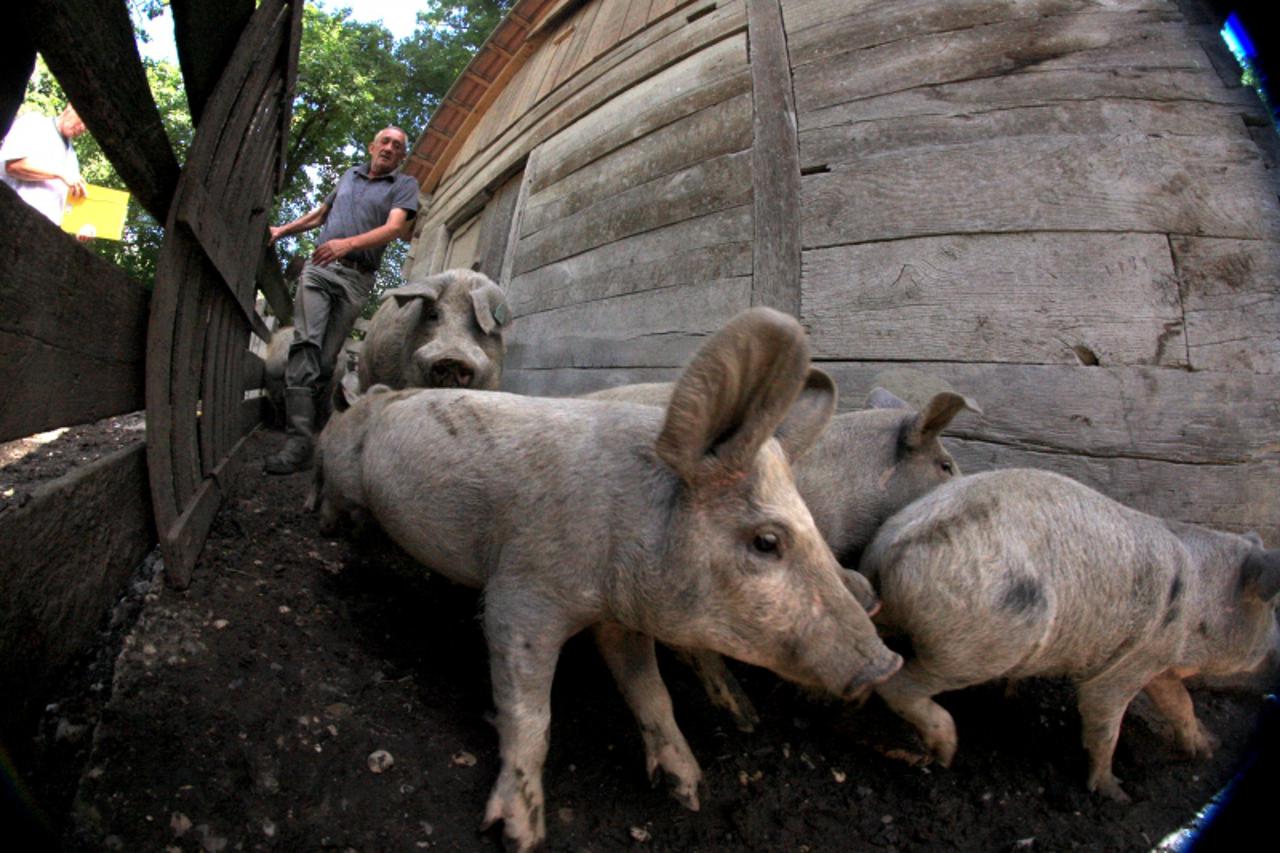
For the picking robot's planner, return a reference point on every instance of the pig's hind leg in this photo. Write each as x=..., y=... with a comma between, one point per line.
x=1167, y=692
x=1102, y=702
x=630, y=657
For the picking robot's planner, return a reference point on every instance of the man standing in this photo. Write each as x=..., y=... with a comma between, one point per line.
x=39, y=162
x=368, y=209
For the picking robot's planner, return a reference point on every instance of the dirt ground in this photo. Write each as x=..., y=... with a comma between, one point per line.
x=245, y=713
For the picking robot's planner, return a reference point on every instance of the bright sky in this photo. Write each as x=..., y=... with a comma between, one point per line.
x=400, y=17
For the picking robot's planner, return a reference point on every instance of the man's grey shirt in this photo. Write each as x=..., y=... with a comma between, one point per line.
x=361, y=203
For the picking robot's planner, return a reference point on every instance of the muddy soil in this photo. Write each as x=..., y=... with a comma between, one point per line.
x=245, y=713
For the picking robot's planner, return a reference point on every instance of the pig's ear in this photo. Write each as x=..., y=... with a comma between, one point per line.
x=490, y=305
x=428, y=288
x=939, y=411
x=733, y=395
x=879, y=398
x=1261, y=574
x=809, y=415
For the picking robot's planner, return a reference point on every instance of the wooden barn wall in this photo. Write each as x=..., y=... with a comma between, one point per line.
x=1063, y=211
x=626, y=166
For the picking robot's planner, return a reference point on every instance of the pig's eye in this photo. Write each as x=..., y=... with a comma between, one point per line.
x=947, y=468
x=766, y=543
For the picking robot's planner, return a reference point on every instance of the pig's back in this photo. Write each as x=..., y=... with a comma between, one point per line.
x=462, y=479
x=1024, y=572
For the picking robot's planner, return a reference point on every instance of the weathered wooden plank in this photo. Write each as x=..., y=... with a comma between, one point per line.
x=1098, y=41
x=1140, y=412
x=716, y=245
x=658, y=328
x=1033, y=298
x=681, y=266
x=185, y=539
x=775, y=162
x=950, y=105
x=912, y=121
x=1232, y=303
x=495, y=226
x=271, y=282
x=219, y=239
x=818, y=30
x=637, y=17
x=99, y=68
x=700, y=80
x=606, y=29
x=206, y=35
x=232, y=152
x=66, y=560
x=530, y=170
x=660, y=8
x=72, y=328
x=569, y=382
x=16, y=64
x=570, y=43
x=711, y=186
x=1206, y=186
x=718, y=129
x=654, y=49
x=1238, y=497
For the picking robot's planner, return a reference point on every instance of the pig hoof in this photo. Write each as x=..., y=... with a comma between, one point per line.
x=685, y=792
x=520, y=830
x=1201, y=744
x=1109, y=787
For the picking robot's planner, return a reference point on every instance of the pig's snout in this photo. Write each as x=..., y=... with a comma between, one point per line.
x=871, y=675
x=448, y=367
x=451, y=373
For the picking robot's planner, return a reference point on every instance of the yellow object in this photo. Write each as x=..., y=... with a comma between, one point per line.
x=102, y=208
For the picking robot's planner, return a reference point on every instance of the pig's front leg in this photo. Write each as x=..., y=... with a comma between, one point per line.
x=631, y=659
x=1167, y=692
x=524, y=637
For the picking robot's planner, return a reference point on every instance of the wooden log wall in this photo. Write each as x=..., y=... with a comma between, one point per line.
x=72, y=349
x=1061, y=210
x=630, y=128
x=1067, y=210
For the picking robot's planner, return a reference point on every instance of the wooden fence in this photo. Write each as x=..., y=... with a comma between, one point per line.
x=80, y=341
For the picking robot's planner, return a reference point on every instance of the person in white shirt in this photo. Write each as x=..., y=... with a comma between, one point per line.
x=40, y=163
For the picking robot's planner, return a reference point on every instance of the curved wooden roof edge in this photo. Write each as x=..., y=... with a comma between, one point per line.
x=501, y=55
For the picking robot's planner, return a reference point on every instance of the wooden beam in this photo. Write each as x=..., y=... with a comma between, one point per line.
x=89, y=46
x=775, y=162
x=185, y=539
x=72, y=328
x=218, y=239
x=17, y=61
x=273, y=286
x=206, y=35
x=67, y=552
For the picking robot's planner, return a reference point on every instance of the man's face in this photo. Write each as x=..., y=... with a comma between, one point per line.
x=387, y=151
x=69, y=123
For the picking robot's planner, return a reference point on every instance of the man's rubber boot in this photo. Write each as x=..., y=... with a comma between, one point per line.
x=300, y=419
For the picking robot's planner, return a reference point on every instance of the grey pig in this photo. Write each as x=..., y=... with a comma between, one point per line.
x=682, y=525
x=864, y=467
x=1018, y=573
x=442, y=331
